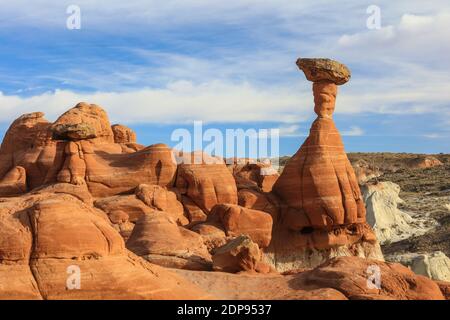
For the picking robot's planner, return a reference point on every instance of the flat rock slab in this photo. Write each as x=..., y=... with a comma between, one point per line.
x=321, y=69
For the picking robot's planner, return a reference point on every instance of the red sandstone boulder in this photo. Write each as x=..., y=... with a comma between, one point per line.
x=237, y=221
x=130, y=204
x=161, y=241
x=84, y=121
x=107, y=171
x=87, y=234
x=162, y=199
x=259, y=176
x=445, y=288
x=14, y=182
x=213, y=234
x=28, y=144
x=26, y=132
x=194, y=213
x=207, y=181
x=240, y=254
x=123, y=134
x=317, y=70
x=266, y=202
x=77, y=131
x=125, y=210
x=354, y=277
x=81, y=192
x=108, y=168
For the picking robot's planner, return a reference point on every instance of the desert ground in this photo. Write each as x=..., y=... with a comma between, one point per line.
x=425, y=191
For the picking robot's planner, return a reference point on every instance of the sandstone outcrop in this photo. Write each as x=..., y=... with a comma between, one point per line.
x=445, y=288
x=345, y=278
x=236, y=221
x=424, y=162
x=266, y=202
x=254, y=175
x=158, y=239
x=213, y=234
x=14, y=182
x=81, y=192
x=80, y=148
x=293, y=250
x=240, y=254
x=107, y=171
x=46, y=235
x=129, y=204
x=162, y=199
x=84, y=121
x=390, y=223
x=435, y=265
x=123, y=134
x=351, y=276
x=205, y=180
x=194, y=213
x=125, y=210
x=28, y=144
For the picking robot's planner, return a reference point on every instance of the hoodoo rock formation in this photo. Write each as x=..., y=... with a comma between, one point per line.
x=322, y=206
x=79, y=197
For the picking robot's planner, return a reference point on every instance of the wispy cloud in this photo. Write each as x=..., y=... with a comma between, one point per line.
x=179, y=102
x=293, y=131
x=353, y=131
x=435, y=136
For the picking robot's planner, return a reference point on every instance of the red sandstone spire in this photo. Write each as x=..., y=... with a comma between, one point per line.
x=319, y=181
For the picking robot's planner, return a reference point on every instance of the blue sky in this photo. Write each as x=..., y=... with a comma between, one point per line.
x=159, y=65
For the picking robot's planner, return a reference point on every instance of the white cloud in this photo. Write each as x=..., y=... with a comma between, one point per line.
x=414, y=38
x=181, y=101
x=239, y=102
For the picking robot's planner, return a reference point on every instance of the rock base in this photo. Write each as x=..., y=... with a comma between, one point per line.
x=293, y=260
